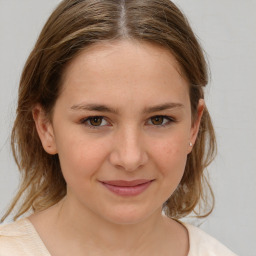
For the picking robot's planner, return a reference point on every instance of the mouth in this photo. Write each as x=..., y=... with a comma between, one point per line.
x=127, y=188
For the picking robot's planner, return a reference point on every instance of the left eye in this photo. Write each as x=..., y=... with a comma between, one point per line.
x=160, y=120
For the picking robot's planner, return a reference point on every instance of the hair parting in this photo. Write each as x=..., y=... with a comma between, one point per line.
x=72, y=27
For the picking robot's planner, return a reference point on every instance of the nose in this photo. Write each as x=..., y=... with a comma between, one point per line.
x=128, y=152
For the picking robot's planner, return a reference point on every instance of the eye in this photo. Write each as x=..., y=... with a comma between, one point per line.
x=94, y=121
x=160, y=120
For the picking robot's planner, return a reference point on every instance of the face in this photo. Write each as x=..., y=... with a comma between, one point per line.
x=121, y=127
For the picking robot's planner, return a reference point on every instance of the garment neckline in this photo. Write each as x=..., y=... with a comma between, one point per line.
x=41, y=244
x=39, y=241
x=187, y=227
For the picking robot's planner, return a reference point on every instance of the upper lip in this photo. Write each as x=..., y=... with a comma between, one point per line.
x=126, y=183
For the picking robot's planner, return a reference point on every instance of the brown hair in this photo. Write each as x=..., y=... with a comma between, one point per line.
x=74, y=25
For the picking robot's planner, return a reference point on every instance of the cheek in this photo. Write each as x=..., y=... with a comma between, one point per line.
x=171, y=156
x=80, y=159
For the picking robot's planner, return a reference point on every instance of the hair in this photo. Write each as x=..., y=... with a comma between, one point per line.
x=73, y=26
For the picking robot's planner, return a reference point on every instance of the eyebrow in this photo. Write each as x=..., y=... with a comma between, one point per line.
x=161, y=107
x=104, y=108
x=94, y=107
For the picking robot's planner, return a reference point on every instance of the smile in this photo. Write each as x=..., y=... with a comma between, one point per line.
x=127, y=188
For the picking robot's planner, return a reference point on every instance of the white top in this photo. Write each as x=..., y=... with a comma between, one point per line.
x=20, y=238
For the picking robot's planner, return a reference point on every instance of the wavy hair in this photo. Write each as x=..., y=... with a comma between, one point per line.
x=73, y=26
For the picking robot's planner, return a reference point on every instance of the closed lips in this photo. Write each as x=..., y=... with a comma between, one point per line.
x=124, y=183
x=127, y=188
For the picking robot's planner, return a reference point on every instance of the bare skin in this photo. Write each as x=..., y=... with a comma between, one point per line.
x=155, y=236
x=123, y=114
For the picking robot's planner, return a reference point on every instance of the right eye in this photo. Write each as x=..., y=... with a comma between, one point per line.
x=94, y=121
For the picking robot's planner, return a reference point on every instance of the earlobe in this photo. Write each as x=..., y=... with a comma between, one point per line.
x=44, y=130
x=196, y=124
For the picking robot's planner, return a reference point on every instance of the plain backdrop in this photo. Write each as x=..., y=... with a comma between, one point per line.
x=227, y=32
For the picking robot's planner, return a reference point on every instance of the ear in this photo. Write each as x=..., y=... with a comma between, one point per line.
x=44, y=129
x=196, y=124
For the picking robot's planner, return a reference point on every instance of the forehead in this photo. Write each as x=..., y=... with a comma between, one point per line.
x=130, y=51
x=130, y=70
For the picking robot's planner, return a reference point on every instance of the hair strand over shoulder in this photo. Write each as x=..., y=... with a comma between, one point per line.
x=72, y=27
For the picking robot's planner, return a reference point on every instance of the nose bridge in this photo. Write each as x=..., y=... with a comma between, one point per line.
x=128, y=151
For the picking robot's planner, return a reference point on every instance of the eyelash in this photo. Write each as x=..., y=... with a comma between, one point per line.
x=167, y=120
x=86, y=122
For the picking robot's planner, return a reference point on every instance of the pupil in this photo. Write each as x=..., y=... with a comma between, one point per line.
x=157, y=120
x=96, y=121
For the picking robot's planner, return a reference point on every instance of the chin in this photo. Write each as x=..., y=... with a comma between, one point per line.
x=127, y=216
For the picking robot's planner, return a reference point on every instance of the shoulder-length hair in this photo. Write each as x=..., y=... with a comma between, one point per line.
x=73, y=26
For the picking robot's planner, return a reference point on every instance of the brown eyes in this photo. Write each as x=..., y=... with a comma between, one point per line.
x=157, y=120
x=100, y=121
x=95, y=121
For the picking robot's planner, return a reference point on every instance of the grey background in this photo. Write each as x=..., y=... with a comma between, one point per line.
x=227, y=31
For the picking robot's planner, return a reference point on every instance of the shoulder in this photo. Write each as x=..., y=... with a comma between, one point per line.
x=203, y=244
x=19, y=238
x=14, y=238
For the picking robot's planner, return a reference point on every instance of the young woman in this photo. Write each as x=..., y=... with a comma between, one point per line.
x=112, y=135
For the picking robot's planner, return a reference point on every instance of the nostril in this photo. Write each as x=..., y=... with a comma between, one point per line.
x=128, y=161
x=128, y=151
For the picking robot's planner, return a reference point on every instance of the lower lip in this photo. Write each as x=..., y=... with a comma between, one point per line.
x=128, y=191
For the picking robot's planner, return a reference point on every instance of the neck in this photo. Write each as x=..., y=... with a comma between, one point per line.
x=91, y=229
